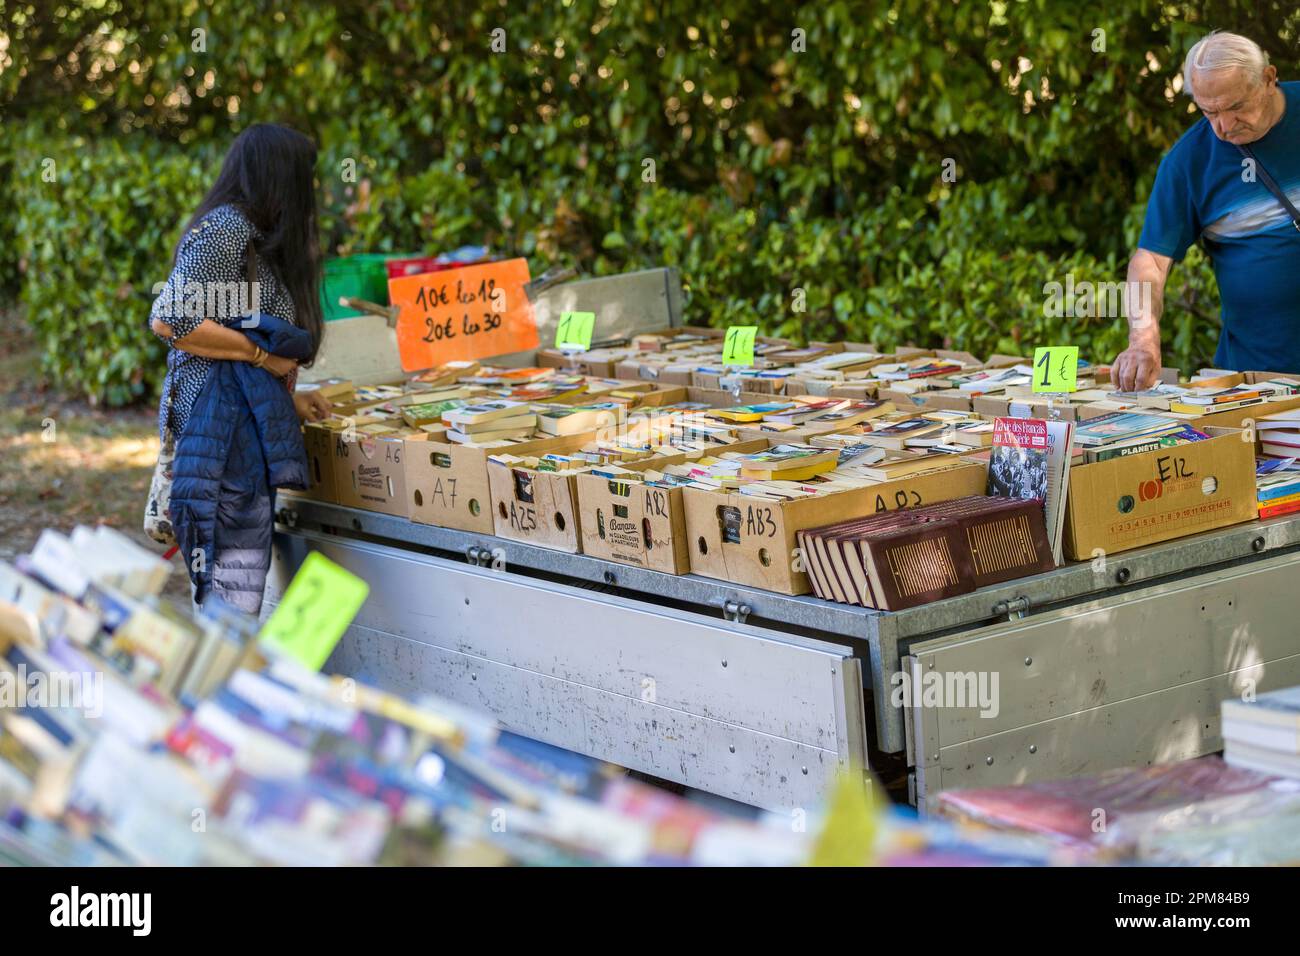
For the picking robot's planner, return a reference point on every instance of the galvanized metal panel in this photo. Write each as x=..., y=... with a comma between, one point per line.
x=1173, y=724
x=1102, y=652
x=706, y=753
x=667, y=692
x=1105, y=684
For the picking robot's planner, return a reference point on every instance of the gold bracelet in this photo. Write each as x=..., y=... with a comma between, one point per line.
x=260, y=356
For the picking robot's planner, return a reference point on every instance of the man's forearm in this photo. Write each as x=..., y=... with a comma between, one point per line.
x=1145, y=298
x=212, y=340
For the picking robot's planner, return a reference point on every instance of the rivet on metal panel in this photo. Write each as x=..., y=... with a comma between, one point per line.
x=989, y=761
x=805, y=771
x=1122, y=575
x=1028, y=661
x=1033, y=748
x=610, y=578
x=935, y=757
x=732, y=748
x=724, y=662
x=473, y=677
x=1257, y=544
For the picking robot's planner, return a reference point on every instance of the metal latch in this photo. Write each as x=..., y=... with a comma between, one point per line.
x=1014, y=609
x=479, y=556
x=735, y=611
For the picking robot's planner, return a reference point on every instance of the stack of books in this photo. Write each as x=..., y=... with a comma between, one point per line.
x=917, y=368
x=1279, y=434
x=1206, y=401
x=1264, y=734
x=106, y=762
x=491, y=421
x=1125, y=433
x=1277, y=486
x=575, y=419
x=899, y=559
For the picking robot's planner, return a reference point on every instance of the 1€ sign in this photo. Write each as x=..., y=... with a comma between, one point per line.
x=574, y=331
x=1056, y=369
x=738, y=346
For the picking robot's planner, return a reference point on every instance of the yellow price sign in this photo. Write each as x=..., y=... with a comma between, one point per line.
x=848, y=836
x=320, y=603
x=1056, y=369
x=574, y=330
x=738, y=346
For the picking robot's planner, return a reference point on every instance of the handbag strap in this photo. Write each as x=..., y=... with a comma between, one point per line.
x=250, y=258
x=1272, y=186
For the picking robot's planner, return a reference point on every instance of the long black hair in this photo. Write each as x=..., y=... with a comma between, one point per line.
x=268, y=176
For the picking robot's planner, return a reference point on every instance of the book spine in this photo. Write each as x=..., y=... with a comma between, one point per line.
x=1274, y=511
x=1282, y=491
x=1106, y=454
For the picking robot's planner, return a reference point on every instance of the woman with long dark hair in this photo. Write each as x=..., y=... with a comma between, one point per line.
x=240, y=313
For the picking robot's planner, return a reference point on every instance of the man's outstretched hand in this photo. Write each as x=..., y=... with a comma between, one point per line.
x=1136, y=368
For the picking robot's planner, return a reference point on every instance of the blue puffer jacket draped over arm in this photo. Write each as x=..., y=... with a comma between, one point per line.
x=242, y=441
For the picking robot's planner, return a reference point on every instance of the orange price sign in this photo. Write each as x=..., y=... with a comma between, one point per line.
x=461, y=314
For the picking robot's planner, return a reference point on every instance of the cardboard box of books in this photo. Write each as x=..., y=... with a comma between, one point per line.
x=541, y=506
x=534, y=506
x=318, y=443
x=747, y=540
x=1155, y=495
x=370, y=469
x=635, y=523
x=448, y=482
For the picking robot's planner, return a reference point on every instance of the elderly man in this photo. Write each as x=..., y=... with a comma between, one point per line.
x=1220, y=183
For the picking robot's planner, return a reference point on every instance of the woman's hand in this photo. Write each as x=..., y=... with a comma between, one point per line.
x=279, y=366
x=312, y=406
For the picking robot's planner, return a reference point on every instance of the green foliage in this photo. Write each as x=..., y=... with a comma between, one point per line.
x=91, y=243
x=773, y=170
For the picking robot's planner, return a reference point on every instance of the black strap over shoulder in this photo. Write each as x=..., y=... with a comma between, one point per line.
x=1272, y=186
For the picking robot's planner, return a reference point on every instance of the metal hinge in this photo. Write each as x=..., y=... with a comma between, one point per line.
x=1014, y=609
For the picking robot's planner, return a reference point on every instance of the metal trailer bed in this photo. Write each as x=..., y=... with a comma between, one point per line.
x=762, y=697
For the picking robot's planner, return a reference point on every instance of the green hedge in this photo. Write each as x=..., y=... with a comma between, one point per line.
x=91, y=245
x=775, y=170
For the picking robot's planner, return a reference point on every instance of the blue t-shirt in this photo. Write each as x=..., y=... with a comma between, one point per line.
x=1248, y=235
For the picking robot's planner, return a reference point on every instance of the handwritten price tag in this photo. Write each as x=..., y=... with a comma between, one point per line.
x=574, y=330
x=320, y=603
x=1056, y=369
x=738, y=347
x=463, y=314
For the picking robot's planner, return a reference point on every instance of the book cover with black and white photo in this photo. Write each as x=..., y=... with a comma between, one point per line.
x=1030, y=458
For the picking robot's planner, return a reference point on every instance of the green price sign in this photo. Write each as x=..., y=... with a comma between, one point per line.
x=574, y=330
x=738, y=347
x=1056, y=369
x=320, y=603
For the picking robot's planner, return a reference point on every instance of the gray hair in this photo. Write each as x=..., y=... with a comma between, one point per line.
x=1225, y=51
